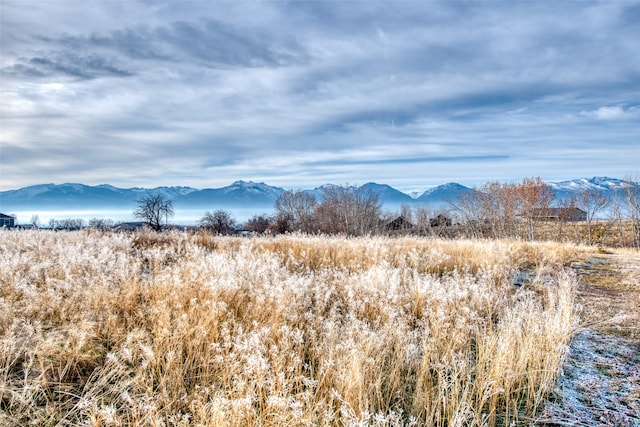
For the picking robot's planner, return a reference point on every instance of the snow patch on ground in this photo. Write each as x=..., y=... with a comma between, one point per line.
x=600, y=384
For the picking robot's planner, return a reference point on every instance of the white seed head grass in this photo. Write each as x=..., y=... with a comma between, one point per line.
x=188, y=329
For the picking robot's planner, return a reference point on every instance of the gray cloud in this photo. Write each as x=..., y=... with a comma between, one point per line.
x=209, y=43
x=65, y=64
x=300, y=93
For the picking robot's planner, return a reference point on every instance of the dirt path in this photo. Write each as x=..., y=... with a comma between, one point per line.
x=600, y=384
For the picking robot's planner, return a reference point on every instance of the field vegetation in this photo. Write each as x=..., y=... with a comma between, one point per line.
x=176, y=329
x=529, y=210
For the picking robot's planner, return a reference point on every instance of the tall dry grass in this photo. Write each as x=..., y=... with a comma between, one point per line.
x=188, y=329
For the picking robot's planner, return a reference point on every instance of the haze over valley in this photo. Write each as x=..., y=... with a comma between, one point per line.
x=242, y=199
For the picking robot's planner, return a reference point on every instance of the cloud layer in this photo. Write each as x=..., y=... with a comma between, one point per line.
x=297, y=94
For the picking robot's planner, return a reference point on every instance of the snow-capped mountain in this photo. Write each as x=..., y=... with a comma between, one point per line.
x=615, y=190
x=261, y=196
x=387, y=195
x=444, y=194
x=73, y=195
x=240, y=193
x=608, y=186
x=255, y=197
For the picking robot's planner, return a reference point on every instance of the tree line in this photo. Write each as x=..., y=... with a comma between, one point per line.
x=528, y=210
x=342, y=210
x=531, y=210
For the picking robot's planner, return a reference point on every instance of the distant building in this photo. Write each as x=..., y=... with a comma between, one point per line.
x=130, y=226
x=440, y=221
x=27, y=227
x=560, y=214
x=7, y=221
x=399, y=224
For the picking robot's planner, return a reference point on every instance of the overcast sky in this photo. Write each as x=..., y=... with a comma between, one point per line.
x=299, y=93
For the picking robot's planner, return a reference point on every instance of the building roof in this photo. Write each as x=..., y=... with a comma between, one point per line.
x=399, y=223
x=558, y=211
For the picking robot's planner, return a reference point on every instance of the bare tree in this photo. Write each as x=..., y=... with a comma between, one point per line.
x=632, y=190
x=100, y=223
x=566, y=206
x=280, y=224
x=616, y=216
x=502, y=206
x=154, y=209
x=349, y=210
x=220, y=222
x=257, y=223
x=299, y=206
x=592, y=202
x=468, y=209
x=66, y=224
x=509, y=208
x=331, y=212
x=422, y=219
x=407, y=213
x=495, y=209
x=534, y=199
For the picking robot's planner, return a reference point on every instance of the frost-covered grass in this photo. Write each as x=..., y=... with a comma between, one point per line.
x=176, y=329
x=600, y=384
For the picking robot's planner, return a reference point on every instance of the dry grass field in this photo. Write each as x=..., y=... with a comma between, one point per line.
x=176, y=329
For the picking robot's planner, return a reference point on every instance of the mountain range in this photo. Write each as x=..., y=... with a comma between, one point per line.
x=258, y=197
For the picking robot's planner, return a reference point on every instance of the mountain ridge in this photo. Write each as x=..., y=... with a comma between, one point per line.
x=250, y=195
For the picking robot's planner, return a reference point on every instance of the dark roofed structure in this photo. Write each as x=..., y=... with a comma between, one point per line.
x=7, y=221
x=440, y=221
x=560, y=214
x=398, y=224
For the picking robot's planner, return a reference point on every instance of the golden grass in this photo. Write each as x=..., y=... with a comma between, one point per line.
x=604, y=233
x=187, y=329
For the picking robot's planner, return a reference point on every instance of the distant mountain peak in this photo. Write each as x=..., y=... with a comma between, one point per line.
x=241, y=183
x=598, y=183
x=251, y=188
x=107, y=186
x=375, y=185
x=444, y=193
x=446, y=187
